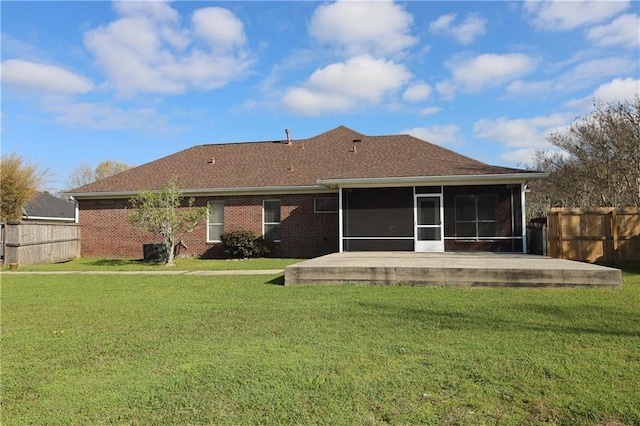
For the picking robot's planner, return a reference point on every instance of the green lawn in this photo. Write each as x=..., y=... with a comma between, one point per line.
x=95, y=349
x=181, y=264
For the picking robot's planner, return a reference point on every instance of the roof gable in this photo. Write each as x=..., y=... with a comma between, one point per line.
x=340, y=153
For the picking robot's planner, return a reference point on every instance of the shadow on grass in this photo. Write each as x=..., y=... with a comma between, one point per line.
x=604, y=321
x=276, y=281
x=119, y=262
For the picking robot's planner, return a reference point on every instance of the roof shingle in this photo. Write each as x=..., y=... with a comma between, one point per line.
x=340, y=153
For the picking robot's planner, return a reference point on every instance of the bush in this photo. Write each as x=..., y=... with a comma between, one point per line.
x=243, y=244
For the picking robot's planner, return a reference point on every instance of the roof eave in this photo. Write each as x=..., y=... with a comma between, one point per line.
x=487, y=179
x=303, y=189
x=325, y=184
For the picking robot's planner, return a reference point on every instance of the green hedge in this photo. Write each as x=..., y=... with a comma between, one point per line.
x=245, y=244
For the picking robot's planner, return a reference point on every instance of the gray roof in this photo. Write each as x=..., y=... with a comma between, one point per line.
x=45, y=205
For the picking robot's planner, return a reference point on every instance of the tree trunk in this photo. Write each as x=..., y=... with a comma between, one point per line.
x=169, y=247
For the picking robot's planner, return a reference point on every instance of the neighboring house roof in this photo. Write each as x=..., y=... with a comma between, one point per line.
x=45, y=206
x=339, y=154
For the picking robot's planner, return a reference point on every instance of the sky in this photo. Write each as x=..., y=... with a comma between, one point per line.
x=86, y=82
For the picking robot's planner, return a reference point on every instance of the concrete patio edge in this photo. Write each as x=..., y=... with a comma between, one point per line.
x=451, y=269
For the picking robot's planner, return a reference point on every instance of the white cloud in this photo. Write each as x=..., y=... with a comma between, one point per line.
x=465, y=33
x=618, y=89
x=525, y=156
x=346, y=86
x=99, y=116
x=43, y=77
x=590, y=72
x=447, y=134
x=567, y=15
x=417, y=92
x=623, y=31
x=227, y=32
x=519, y=157
x=519, y=133
x=146, y=50
x=530, y=88
x=487, y=70
x=429, y=111
x=158, y=11
x=583, y=75
x=446, y=89
x=363, y=27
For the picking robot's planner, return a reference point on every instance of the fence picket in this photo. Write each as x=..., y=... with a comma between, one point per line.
x=32, y=243
x=604, y=235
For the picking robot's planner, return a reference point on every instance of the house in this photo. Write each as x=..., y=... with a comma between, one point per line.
x=44, y=207
x=337, y=191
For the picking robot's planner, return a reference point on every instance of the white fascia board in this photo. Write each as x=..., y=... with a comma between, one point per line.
x=267, y=190
x=512, y=178
x=49, y=219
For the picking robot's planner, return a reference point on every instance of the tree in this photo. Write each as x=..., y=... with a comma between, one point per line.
x=19, y=183
x=109, y=168
x=81, y=176
x=167, y=214
x=84, y=174
x=600, y=162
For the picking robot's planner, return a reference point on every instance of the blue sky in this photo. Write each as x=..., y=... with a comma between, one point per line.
x=84, y=82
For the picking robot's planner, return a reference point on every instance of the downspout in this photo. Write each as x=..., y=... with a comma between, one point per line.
x=76, y=214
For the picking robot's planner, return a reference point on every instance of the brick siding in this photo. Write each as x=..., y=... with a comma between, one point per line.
x=106, y=231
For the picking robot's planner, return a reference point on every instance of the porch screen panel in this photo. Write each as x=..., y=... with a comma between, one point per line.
x=377, y=219
x=378, y=212
x=483, y=218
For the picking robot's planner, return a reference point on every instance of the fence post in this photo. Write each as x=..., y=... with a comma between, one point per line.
x=615, y=244
x=560, y=234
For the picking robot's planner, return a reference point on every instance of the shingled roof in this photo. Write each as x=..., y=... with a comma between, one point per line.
x=46, y=206
x=340, y=153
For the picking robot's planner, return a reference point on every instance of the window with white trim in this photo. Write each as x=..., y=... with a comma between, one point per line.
x=215, y=221
x=325, y=205
x=476, y=216
x=271, y=220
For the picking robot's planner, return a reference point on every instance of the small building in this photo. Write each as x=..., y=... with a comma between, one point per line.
x=338, y=191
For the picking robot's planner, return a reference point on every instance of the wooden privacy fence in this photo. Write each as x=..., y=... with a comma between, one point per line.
x=33, y=243
x=603, y=235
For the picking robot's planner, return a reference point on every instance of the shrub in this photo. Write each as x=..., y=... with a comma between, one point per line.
x=243, y=244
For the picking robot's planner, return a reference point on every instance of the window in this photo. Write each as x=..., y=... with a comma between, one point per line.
x=215, y=221
x=325, y=205
x=271, y=220
x=476, y=216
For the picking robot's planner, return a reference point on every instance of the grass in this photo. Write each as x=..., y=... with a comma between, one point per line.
x=94, y=349
x=181, y=264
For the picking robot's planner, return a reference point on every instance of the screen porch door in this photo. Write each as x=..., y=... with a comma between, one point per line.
x=429, y=235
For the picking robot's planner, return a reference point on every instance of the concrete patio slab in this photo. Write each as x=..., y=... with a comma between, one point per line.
x=451, y=269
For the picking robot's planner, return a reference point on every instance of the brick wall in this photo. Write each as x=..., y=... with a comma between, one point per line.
x=107, y=233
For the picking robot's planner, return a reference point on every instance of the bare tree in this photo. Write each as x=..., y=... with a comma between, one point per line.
x=600, y=163
x=19, y=183
x=81, y=176
x=84, y=174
